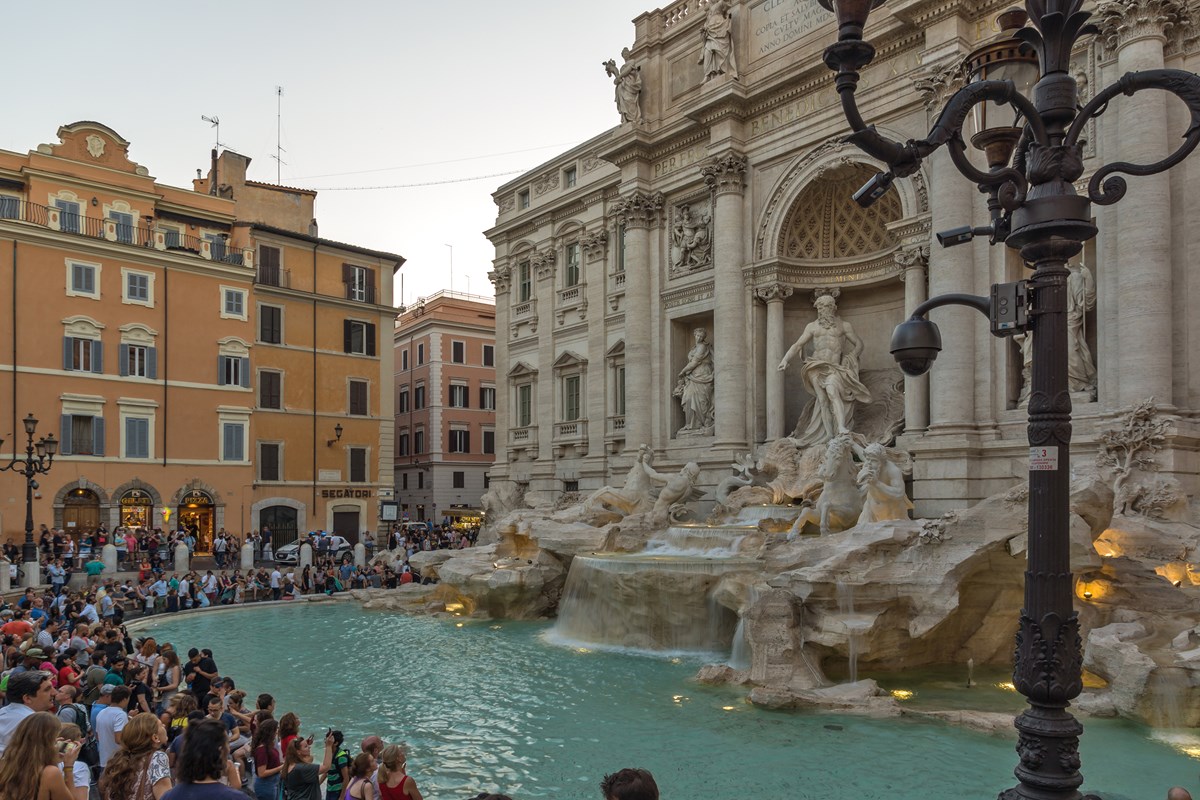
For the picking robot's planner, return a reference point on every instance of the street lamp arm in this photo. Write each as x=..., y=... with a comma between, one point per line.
x=981, y=304
x=1105, y=187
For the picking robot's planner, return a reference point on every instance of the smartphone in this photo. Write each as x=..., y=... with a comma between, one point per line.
x=63, y=746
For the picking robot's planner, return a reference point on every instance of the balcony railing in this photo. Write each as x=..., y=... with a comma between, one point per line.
x=616, y=426
x=523, y=437
x=616, y=282
x=274, y=276
x=111, y=230
x=525, y=309
x=571, y=296
x=360, y=294
x=573, y=431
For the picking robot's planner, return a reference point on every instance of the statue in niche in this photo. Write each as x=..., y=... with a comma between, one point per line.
x=637, y=495
x=692, y=241
x=628, y=82
x=695, y=388
x=716, y=55
x=1081, y=298
x=830, y=374
x=881, y=481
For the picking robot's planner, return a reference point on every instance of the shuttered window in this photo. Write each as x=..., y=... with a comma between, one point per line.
x=83, y=355
x=233, y=441
x=268, y=461
x=270, y=390
x=358, y=398
x=233, y=371
x=359, y=337
x=138, y=360
x=137, y=437
x=358, y=465
x=489, y=442
x=82, y=435
x=268, y=265
x=270, y=324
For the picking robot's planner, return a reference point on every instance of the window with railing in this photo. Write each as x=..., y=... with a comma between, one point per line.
x=524, y=282
x=571, y=270
x=268, y=265
x=359, y=282
x=124, y=226
x=68, y=217
x=10, y=207
x=570, y=398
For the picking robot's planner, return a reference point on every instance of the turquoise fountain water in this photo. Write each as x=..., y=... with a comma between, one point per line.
x=492, y=706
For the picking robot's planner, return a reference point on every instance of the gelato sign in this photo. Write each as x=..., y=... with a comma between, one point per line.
x=774, y=24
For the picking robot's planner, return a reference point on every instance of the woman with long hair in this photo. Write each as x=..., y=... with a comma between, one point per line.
x=289, y=728
x=79, y=781
x=267, y=761
x=29, y=768
x=139, y=769
x=394, y=782
x=175, y=717
x=148, y=654
x=301, y=777
x=361, y=770
x=169, y=678
x=203, y=762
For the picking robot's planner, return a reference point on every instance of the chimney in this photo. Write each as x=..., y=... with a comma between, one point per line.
x=212, y=177
x=312, y=228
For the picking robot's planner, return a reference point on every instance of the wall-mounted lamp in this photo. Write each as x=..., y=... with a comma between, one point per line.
x=337, y=432
x=95, y=202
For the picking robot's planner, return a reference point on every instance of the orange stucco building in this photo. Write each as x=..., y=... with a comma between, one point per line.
x=148, y=326
x=445, y=406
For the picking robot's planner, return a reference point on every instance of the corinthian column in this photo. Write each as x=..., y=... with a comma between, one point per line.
x=638, y=212
x=774, y=296
x=1137, y=30
x=913, y=262
x=501, y=278
x=731, y=352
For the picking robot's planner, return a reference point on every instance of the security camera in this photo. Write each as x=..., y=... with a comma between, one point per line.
x=916, y=342
x=956, y=236
x=34, y=485
x=874, y=189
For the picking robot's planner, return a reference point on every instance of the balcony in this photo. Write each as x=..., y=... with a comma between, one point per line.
x=522, y=438
x=273, y=276
x=572, y=432
x=571, y=296
x=525, y=309
x=616, y=427
x=111, y=230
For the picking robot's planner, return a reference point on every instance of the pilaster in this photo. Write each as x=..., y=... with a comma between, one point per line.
x=774, y=297
x=913, y=263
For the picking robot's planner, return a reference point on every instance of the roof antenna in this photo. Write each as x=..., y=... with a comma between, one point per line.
x=279, y=162
x=216, y=123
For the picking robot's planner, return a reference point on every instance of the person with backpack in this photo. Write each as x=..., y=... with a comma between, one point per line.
x=72, y=712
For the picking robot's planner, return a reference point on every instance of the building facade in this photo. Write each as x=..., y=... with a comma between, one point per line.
x=445, y=348
x=136, y=337
x=719, y=210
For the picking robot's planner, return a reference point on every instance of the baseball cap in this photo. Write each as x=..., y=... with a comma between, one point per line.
x=35, y=652
x=107, y=688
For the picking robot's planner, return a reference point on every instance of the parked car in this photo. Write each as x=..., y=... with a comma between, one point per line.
x=290, y=553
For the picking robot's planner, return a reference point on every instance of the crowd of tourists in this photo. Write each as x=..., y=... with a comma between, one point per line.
x=91, y=712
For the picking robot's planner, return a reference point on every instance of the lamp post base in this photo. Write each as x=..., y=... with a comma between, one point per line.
x=33, y=574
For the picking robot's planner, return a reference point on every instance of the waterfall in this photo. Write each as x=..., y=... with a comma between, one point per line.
x=740, y=657
x=855, y=624
x=659, y=599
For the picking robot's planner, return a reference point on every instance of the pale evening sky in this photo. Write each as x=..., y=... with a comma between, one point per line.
x=368, y=85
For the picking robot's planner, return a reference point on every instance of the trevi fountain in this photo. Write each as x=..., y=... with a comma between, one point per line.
x=802, y=570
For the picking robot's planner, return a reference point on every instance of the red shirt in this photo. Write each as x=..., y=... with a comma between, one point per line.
x=17, y=627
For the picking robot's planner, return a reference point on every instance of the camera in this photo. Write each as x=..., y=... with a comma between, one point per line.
x=874, y=189
x=916, y=343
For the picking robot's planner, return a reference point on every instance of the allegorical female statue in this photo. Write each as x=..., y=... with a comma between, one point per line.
x=695, y=388
x=628, y=82
x=717, y=34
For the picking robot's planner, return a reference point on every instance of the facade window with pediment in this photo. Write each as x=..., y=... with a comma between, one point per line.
x=571, y=265
x=524, y=281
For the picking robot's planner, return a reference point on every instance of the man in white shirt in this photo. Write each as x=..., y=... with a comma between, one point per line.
x=276, y=584
x=27, y=693
x=110, y=722
x=88, y=613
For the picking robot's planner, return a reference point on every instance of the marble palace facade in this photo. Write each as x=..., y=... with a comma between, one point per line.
x=724, y=204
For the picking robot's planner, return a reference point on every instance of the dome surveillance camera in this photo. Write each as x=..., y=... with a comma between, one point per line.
x=915, y=344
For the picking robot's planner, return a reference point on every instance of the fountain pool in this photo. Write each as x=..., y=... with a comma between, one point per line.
x=492, y=706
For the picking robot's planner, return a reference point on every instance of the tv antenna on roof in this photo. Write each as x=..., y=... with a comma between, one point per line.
x=279, y=162
x=216, y=123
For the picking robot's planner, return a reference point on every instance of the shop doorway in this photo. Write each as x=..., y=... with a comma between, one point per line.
x=345, y=524
x=81, y=512
x=283, y=523
x=196, y=514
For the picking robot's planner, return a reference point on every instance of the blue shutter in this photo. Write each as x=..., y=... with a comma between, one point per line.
x=220, y=370
x=97, y=356
x=123, y=358
x=137, y=438
x=245, y=372
x=68, y=352
x=233, y=445
x=152, y=363
x=98, y=436
x=144, y=438
x=240, y=442
x=64, y=446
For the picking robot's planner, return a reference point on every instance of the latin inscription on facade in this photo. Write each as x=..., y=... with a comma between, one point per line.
x=775, y=24
x=677, y=161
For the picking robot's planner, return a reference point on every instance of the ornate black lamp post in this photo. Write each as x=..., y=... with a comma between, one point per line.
x=1033, y=150
x=31, y=466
